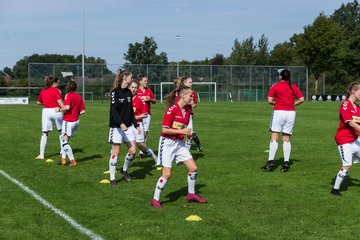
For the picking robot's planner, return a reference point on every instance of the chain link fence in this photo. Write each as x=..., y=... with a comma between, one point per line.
x=233, y=82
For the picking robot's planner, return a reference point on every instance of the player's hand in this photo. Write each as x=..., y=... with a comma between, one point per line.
x=57, y=110
x=187, y=131
x=123, y=127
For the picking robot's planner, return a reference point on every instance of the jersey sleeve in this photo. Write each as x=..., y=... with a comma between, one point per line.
x=67, y=100
x=345, y=112
x=58, y=94
x=297, y=92
x=114, y=105
x=151, y=94
x=272, y=92
x=194, y=96
x=168, y=118
x=82, y=105
x=40, y=97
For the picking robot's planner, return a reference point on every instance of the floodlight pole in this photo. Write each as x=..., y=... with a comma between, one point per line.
x=177, y=64
x=83, y=54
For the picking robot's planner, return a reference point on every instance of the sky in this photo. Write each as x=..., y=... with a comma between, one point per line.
x=205, y=27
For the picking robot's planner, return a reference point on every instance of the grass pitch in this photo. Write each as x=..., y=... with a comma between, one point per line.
x=244, y=201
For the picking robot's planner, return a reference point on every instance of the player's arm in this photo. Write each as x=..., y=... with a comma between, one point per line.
x=152, y=98
x=170, y=131
x=354, y=125
x=60, y=103
x=39, y=103
x=299, y=101
x=271, y=100
x=63, y=109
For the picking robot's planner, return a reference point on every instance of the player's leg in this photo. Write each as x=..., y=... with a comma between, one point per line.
x=160, y=185
x=286, y=135
x=58, y=119
x=128, y=159
x=148, y=152
x=115, y=139
x=188, y=141
x=46, y=126
x=346, y=155
x=145, y=129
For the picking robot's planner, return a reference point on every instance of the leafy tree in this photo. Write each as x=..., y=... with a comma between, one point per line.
x=218, y=59
x=145, y=53
x=243, y=53
x=348, y=16
x=320, y=45
x=284, y=54
x=262, y=52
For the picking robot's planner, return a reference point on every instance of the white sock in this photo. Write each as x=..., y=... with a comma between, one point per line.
x=191, y=181
x=43, y=142
x=188, y=144
x=112, y=166
x=286, y=150
x=160, y=185
x=128, y=159
x=273, y=148
x=151, y=154
x=62, y=152
x=67, y=149
x=340, y=177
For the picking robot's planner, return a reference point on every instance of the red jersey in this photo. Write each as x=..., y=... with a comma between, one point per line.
x=194, y=96
x=49, y=97
x=345, y=133
x=139, y=107
x=174, y=118
x=76, y=103
x=283, y=95
x=146, y=92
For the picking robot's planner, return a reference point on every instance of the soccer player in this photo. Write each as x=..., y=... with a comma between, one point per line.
x=140, y=112
x=172, y=146
x=347, y=135
x=122, y=122
x=147, y=95
x=51, y=99
x=189, y=82
x=73, y=107
x=284, y=95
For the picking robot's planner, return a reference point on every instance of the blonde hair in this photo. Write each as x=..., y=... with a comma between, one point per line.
x=352, y=87
x=119, y=78
x=171, y=97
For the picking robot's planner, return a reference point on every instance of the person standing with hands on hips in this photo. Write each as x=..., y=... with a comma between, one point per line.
x=172, y=146
x=51, y=99
x=284, y=95
x=347, y=134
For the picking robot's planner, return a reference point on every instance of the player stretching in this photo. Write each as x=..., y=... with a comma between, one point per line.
x=347, y=135
x=51, y=99
x=145, y=93
x=73, y=107
x=122, y=122
x=172, y=146
x=284, y=96
x=140, y=112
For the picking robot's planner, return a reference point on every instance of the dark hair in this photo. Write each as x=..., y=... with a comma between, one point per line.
x=50, y=80
x=140, y=76
x=285, y=75
x=171, y=97
x=119, y=78
x=71, y=86
x=179, y=81
x=352, y=87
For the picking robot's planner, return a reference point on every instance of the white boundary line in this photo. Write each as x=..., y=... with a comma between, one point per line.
x=66, y=217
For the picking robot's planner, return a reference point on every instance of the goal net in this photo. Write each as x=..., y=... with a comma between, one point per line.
x=206, y=91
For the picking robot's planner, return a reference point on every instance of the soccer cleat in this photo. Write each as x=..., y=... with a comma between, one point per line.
x=113, y=182
x=192, y=197
x=285, y=167
x=200, y=148
x=335, y=192
x=155, y=203
x=62, y=162
x=126, y=175
x=140, y=156
x=73, y=163
x=39, y=157
x=269, y=165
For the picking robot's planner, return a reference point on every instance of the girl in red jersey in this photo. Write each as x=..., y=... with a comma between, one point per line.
x=172, y=146
x=73, y=107
x=147, y=95
x=284, y=96
x=140, y=112
x=347, y=135
x=51, y=99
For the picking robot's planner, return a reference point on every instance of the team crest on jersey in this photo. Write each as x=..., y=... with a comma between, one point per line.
x=129, y=99
x=121, y=100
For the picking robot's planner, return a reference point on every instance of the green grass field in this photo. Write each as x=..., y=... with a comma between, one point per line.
x=244, y=201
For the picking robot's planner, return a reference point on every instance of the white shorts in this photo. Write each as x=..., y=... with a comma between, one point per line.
x=139, y=138
x=349, y=152
x=48, y=117
x=172, y=149
x=146, y=122
x=69, y=128
x=282, y=121
x=118, y=136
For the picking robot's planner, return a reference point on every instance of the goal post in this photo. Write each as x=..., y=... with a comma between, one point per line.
x=211, y=91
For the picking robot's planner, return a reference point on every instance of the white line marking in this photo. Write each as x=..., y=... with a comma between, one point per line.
x=67, y=218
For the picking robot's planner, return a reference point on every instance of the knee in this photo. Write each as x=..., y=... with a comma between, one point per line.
x=45, y=134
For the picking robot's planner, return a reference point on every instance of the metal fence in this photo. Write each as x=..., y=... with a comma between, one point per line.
x=234, y=82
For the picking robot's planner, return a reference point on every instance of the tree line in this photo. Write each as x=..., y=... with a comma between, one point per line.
x=329, y=47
